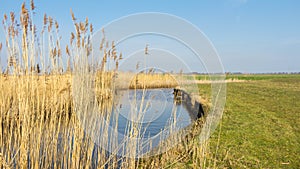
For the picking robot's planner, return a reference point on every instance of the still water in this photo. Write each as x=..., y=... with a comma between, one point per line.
x=152, y=112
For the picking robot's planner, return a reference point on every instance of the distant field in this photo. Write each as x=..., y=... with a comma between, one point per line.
x=261, y=123
x=251, y=76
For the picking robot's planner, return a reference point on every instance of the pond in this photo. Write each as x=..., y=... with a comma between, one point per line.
x=151, y=114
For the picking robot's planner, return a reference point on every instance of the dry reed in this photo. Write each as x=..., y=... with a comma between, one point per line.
x=40, y=125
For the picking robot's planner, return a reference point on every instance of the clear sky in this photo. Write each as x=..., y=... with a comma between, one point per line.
x=249, y=35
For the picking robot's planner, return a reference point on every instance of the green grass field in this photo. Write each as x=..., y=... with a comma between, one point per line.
x=261, y=123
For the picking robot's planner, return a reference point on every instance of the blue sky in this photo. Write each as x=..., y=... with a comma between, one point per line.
x=249, y=35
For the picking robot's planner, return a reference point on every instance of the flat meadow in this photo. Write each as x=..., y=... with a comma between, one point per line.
x=260, y=126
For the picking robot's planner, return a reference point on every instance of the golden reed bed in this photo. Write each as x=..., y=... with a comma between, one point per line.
x=39, y=125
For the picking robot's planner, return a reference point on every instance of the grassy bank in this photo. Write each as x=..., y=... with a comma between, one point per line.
x=260, y=126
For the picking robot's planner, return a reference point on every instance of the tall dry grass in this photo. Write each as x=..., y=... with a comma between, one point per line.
x=41, y=127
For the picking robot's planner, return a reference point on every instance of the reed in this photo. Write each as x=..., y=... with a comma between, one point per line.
x=42, y=127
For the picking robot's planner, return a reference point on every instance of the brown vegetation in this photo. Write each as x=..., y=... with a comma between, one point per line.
x=40, y=125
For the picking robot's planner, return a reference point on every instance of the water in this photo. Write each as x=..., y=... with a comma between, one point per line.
x=157, y=112
x=153, y=112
